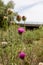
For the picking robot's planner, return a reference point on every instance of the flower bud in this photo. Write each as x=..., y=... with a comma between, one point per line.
x=23, y=18
x=9, y=11
x=4, y=44
x=5, y=17
x=18, y=18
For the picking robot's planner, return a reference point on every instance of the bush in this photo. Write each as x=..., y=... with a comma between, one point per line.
x=5, y=23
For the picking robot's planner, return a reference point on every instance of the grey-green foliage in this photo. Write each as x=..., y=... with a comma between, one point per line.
x=4, y=12
x=10, y=4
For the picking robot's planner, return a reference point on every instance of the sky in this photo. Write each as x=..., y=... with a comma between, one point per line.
x=32, y=9
x=22, y=3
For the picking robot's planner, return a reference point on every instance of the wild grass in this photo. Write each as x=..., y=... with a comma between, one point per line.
x=30, y=42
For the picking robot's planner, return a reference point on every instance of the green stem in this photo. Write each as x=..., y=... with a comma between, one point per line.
x=24, y=24
x=11, y=42
x=2, y=57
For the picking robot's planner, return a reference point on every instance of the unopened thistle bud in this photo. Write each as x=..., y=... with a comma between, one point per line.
x=18, y=18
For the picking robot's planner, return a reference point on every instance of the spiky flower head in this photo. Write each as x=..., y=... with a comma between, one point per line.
x=23, y=18
x=18, y=18
x=22, y=55
x=21, y=30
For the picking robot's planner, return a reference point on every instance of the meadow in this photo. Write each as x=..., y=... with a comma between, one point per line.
x=12, y=43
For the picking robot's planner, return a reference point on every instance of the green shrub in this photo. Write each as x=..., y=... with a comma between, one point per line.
x=5, y=23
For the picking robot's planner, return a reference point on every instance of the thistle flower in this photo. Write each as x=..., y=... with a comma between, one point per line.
x=5, y=17
x=21, y=30
x=23, y=18
x=41, y=63
x=18, y=18
x=4, y=44
x=22, y=55
x=11, y=22
x=9, y=11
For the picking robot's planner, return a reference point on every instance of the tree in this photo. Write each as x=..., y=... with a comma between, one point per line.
x=6, y=13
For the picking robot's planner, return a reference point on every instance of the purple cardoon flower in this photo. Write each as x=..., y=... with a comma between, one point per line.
x=21, y=30
x=22, y=55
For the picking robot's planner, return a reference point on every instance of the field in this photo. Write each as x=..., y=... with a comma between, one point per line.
x=12, y=43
